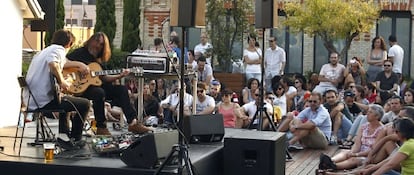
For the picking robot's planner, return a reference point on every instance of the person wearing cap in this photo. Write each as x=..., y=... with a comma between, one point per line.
x=215, y=88
x=337, y=110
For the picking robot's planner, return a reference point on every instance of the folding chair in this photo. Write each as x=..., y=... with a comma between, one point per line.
x=43, y=131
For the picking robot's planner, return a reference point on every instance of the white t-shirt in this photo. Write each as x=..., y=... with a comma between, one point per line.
x=330, y=72
x=251, y=109
x=38, y=76
x=273, y=61
x=202, y=49
x=253, y=68
x=282, y=103
x=202, y=75
x=209, y=101
x=397, y=52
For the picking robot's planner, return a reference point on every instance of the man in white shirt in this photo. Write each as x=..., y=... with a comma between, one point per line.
x=204, y=71
x=331, y=75
x=396, y=55
x=247, y=112
x=274, y=62
x=204, y=47
x=205, y=104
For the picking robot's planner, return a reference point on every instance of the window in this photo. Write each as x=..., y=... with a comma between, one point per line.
x=293, y=45
x=398, y=24
x=72, y=22
x=87, y=23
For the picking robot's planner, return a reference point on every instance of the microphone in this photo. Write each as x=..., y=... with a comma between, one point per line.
x=165, y=20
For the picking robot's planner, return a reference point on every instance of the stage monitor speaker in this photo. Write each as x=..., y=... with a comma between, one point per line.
x=204, y=128
x=254, y=152
x=188, y=13
x=147, y=149
x=266, y=14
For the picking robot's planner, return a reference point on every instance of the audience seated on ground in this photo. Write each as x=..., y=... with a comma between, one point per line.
x=312, y=126
x=339, y=114
x=246, y=113
x=248, y=92
x=228, y=108
x=367, y=135
x=396, y=103
x=383, y=151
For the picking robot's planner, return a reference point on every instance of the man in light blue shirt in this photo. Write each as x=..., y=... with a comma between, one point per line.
x=312, y=126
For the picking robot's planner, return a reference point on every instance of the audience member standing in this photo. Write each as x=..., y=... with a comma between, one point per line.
x=331, y=75
x=376, y=57
x=252, y=57
x=204, y=47
x=396, y=55
x=275, y=60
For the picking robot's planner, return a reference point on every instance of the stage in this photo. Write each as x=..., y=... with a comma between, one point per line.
x=240, y=152
x=206, y=158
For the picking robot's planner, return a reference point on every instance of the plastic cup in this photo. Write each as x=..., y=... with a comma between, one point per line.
x=49, y=150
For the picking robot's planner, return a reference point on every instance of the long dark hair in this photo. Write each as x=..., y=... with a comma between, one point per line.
x=105, y=53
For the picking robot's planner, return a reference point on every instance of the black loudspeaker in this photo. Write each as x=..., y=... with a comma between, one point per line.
x=147, y=149
x=188, y=13
x=204, y=128
x=254, y=152
x=266, y=13
x=48, y=24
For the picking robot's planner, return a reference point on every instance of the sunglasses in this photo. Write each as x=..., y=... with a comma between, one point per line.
x=271, y=98
x=387, y=65
x=312, y=101
x=200, y=91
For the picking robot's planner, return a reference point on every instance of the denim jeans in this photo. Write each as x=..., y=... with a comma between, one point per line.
x=344, y=128
x=361, y=119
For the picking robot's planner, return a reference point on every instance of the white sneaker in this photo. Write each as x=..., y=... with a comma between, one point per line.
x=295, y=147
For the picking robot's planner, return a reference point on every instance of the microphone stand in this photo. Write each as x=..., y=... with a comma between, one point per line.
x=181, y=148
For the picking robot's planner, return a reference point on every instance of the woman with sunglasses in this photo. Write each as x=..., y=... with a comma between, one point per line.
x=227, y=108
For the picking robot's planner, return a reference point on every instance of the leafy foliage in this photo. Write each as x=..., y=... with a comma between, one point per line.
x=227, y=27
x=130, y=30
x=332, y=19
x=105, y=18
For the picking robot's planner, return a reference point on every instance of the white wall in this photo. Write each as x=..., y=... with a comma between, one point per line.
x=10, y=62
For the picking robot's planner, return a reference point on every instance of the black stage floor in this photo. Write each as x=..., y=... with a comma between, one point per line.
x=207, y=158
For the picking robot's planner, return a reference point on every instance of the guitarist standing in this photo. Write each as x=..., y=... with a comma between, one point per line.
x=51, y=61
x=97, y=50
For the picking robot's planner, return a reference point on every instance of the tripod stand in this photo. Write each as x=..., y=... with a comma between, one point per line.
x=261, y=105
x=181, y=148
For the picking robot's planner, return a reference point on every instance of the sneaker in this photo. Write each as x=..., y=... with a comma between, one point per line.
x=138, y=128
x=333, y=140
x=103, y=131
x=66, y=145
x=295, y=147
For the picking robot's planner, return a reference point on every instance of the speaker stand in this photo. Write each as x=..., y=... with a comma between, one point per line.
x=261, y=108
x=181, y=148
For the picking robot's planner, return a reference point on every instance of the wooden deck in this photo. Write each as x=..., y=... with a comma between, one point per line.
x=307, y=161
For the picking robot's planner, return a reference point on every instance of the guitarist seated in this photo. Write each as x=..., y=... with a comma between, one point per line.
x=50, y=61
x=96, y=51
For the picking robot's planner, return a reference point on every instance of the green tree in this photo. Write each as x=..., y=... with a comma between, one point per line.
x=227, y=21
x=105, y=18
x=130, y=28
x=332, y=20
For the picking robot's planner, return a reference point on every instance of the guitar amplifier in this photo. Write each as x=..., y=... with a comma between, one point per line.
x=150, y=62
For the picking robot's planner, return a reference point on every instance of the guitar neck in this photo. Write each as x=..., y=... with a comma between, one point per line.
x=106, y=72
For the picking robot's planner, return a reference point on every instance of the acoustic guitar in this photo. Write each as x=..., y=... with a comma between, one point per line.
x=82, y=81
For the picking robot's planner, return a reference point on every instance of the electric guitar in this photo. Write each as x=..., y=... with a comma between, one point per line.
x=82, y=81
